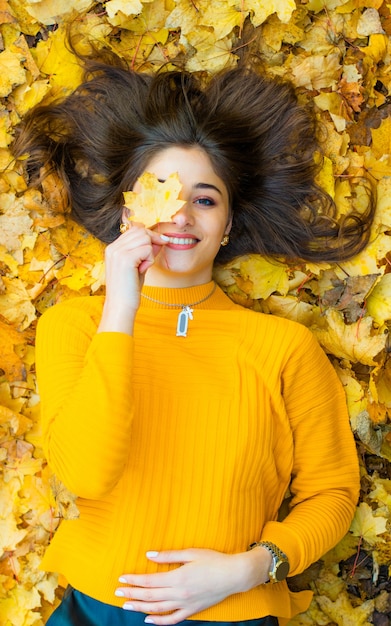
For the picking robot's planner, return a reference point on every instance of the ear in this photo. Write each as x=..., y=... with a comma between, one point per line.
x=125, y=214
x=228, y=227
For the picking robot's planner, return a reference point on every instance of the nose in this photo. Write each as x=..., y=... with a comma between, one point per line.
x=183, y=217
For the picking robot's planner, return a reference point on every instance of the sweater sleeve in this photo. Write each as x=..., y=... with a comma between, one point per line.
x=86, y=398
x=325, y=474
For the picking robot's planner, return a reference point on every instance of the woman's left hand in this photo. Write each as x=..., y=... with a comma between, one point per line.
x=205, y=578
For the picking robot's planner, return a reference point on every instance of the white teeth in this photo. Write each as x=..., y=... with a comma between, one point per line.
x=182, y=240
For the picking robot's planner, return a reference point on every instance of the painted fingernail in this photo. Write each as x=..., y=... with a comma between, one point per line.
x=122, y=579
x=149, y=620
x=152, y=554
x=165, y=238
x=128, y=606
x=119, y=593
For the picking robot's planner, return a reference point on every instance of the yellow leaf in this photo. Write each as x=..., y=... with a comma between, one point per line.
x=369, y=23
x=355, y=395
x=382, y=492
x=223, y=17
x=185, y=15
x=384, y=384
x=381, y=138
x=322, y=5
x=290, y=307
x=356, y=342
x=49, y=11
x=378, y=168
x=379, y=300
x=12, y=72
x=156, y=202
x=316, y=71
x=58, y=63
x=14, y=224
x=265, y=277
x=10, y=535
x=27, y=96
x=261, y=9
x=15, y=304
x=126, y=7
x=6, y=14
x=5, y=128
x=325, y=177
x=343, y=613
x=74, y=274
x=151, y=23
x=17, y=608
x=212, y=55
x=378, y=47
x=367, y=525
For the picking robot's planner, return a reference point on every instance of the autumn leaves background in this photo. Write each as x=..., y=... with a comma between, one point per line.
x=337, y=53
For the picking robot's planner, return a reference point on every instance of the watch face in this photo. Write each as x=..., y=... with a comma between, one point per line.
x=282, y=571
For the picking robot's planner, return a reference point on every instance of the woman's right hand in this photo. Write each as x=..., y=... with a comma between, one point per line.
x=126, y=261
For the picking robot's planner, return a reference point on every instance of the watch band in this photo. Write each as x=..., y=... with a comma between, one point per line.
x=280, y=564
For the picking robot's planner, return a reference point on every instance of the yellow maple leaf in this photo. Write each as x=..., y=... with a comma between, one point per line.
x=356, y=399
x=156, y=202
x=49, y=11
x=27, y=96
x=15, y=304
x=368, y=525
x=381, y=138
x=322, y=5
x=383, y=384
x=6, y=14
x=185, y=15
x=18, y=608
x=265, y=277
x=126, y=7
x=382, y=491
x=290, y=307
x=223, y=17
x=12, y=72
x=325, y=177
x=316, y=71
x=377, y=48
x=212, y=55
x=343, y=613
x=56, y=61
x=356, y=342
x=10, y=535
x=261, y=9
x=379, y=300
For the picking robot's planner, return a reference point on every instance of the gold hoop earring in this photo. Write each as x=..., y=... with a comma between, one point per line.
x=225, y=240
x=123, y=227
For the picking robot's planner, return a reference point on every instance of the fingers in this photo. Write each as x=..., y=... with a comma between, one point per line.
x=166, y=620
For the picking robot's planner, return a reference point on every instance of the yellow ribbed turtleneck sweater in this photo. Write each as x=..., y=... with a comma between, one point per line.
x=179, y=442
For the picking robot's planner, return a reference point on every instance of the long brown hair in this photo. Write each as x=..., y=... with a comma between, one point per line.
x=261, y=143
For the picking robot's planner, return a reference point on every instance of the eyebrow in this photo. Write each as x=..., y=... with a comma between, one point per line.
x=207, y=186
x=198, y=186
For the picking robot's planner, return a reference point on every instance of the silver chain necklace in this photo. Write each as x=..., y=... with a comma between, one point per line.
x=186, y=312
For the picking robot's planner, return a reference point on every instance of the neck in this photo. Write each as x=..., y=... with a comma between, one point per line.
x=171, y=280
x=167, y=297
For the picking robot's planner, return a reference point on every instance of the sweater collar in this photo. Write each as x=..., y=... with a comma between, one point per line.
x=168, y=297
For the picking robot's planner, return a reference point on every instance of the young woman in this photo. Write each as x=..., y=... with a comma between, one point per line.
x=180, y=419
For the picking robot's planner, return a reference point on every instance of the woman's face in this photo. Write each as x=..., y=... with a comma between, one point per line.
x=197, y=229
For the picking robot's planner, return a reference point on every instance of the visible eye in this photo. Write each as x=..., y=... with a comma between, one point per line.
x=205, y=201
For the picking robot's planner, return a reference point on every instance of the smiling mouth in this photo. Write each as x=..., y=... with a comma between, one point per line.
x=184, y=241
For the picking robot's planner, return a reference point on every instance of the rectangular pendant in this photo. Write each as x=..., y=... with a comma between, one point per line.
x=182, y=323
